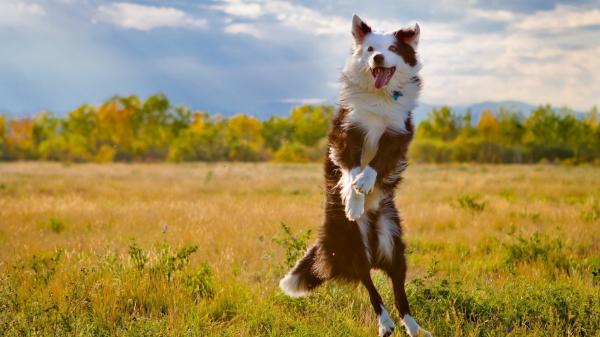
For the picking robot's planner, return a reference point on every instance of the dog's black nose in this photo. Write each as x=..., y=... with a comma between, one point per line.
x=378, y=58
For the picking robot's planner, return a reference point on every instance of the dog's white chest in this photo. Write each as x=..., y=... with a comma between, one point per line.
x=374, y=121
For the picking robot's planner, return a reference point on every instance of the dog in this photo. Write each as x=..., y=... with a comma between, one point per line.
x=367, y=150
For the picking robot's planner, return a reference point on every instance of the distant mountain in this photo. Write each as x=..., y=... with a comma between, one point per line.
x=495, y=106
x=476, y=109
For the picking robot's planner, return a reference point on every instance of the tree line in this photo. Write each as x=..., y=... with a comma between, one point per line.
x=546, y=134
x=131, y=129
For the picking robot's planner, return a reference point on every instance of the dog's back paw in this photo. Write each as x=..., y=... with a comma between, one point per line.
x=413, y=329
x=423, y=333
x=386, y=325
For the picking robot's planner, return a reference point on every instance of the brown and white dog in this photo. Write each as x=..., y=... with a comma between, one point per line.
x=367, y=155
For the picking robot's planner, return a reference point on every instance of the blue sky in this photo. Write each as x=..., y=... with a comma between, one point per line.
x=260, y=57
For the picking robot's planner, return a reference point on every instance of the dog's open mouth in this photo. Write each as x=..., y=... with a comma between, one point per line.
x=382, y=76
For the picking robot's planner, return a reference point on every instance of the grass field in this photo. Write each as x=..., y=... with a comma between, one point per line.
x=198, y=249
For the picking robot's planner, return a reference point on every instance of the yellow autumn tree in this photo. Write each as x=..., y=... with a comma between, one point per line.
x=115, y=124
x=244, y=138
x=489, y=130
x=19, y=140
x=488, y=126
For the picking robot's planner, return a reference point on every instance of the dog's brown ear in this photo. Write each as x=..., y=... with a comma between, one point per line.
x=409, y=36
x=359, y=29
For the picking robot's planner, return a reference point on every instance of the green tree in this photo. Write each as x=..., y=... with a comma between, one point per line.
x=48, y=137
x=310, y=123
x=81, y=133
x=543, y=137
x=152, y=128
x=277, y=130
x=511, y=127
x=203, y=140
x=442, y=124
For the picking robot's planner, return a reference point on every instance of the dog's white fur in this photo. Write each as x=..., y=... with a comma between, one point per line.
x=386, y=325
x=365, y=180
x=363, y=227
x=413, y=329
x=374, y=110
x=387, y=230
x=354, y=201
x=291, y=286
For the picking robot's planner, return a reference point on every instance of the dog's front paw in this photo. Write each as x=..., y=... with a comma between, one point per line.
x=365, y=181
x=355, y=206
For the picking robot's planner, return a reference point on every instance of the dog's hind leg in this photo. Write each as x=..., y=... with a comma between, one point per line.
x=303, y=277
x=397, y=273
x=386, y=325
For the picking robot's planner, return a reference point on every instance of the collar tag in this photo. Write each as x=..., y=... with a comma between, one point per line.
x=396, y=94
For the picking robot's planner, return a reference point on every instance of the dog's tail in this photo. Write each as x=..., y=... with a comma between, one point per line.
x=303, y=277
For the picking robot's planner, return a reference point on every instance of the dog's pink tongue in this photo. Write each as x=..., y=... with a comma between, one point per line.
x=382, y=76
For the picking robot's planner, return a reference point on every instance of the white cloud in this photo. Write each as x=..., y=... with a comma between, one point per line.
x=306, y=19
x=561, y=17
x=493, y=15
x=244, y=28
x=142, y=17
x=307, y=101
x=515, y=63
x=287, y=14
x=239, y=8
x=16, y=12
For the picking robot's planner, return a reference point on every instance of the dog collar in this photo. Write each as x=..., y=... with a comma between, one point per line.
x=396, y=94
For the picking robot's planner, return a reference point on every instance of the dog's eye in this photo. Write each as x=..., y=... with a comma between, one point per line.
x=393, y=49
x=370, y=49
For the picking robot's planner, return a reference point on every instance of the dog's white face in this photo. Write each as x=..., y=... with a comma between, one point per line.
x=382, y=61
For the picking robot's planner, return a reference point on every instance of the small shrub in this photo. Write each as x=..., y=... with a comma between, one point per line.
x=209, y=176
x=137, y=256
x=294, y=245
x=56, y=225
x=593, y=213
x=44, y=266
x=169, y=262
x=470, y=202
x=538, y=247
x=200, y=283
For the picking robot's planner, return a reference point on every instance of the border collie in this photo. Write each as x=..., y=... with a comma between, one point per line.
x=367, y=155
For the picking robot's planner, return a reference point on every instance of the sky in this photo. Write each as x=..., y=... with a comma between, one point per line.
x=261, y=57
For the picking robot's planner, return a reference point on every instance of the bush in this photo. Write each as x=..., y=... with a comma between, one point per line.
x=137, y=256
x=294, y=245
x=169, y=262
x=292, y=152
x=45, y=265
x=56, y=225
x=200, y=283
x=538, y=247
x=470, y=202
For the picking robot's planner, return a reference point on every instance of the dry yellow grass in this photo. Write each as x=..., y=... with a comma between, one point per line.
x=232, y=212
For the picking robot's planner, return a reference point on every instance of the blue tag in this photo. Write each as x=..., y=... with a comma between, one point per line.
x=396, y=94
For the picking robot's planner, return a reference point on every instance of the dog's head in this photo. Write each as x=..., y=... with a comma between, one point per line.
x=382, y=60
